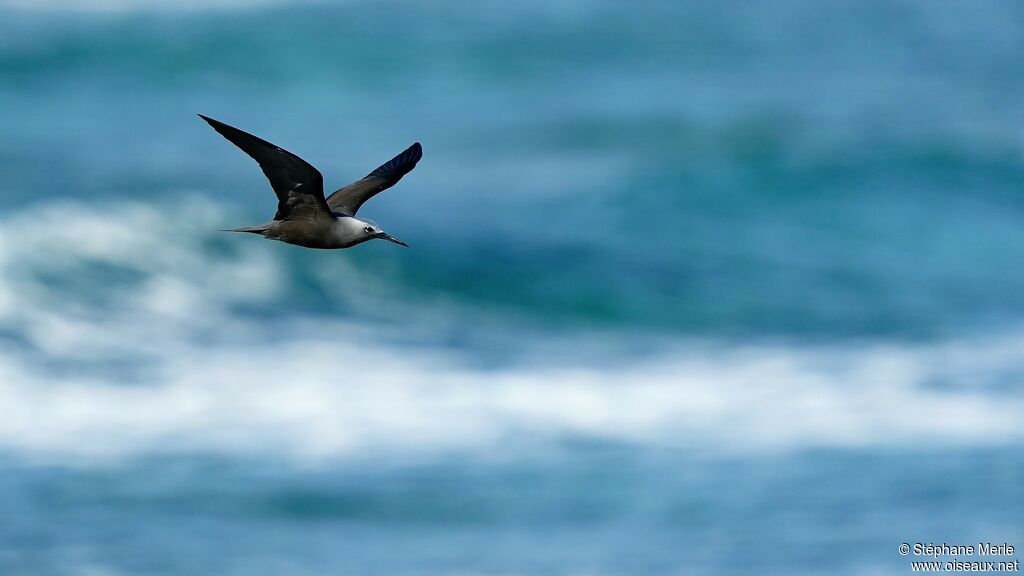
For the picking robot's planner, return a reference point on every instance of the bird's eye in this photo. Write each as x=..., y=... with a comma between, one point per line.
x=368, y=229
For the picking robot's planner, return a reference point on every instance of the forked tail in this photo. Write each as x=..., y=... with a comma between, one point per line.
x=260, y=229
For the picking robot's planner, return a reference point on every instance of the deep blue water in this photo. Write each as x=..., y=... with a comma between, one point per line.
x=588, y=509
x=694, y=288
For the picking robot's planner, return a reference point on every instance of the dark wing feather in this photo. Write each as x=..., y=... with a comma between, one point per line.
x=298, y=185
x=351, y=197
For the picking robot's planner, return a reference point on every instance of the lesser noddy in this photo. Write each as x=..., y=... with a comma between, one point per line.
x=303, y=216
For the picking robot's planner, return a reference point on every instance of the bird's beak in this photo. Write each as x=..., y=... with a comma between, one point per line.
x=391, y=238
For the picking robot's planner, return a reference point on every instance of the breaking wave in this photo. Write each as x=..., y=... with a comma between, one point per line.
x=130, y=329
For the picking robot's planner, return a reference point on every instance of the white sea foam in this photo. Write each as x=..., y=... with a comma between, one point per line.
x=209, y=381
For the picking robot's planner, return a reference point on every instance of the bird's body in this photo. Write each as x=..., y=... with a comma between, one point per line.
x=304, y=217
x=339, y=231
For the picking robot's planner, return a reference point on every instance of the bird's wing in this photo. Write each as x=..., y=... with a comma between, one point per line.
x=298, y=185
x=351, y=197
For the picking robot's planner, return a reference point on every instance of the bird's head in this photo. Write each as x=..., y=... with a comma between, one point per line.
x=371, y=231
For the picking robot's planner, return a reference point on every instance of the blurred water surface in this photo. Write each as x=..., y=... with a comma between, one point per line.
x=710, y=288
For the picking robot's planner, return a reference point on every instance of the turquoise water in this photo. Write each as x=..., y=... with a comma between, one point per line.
x=693, y=288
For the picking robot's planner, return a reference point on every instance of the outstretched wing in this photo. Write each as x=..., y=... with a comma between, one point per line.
x=351, y=197
x=298, y=185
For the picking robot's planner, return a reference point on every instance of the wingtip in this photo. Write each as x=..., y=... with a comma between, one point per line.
x=220, y=127
x=415, y=152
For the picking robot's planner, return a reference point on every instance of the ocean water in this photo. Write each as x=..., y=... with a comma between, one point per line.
x=694, y=288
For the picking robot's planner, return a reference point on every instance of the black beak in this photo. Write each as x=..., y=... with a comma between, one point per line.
x=390, y=238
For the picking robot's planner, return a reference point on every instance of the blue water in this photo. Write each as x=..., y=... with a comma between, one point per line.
x=694, y=288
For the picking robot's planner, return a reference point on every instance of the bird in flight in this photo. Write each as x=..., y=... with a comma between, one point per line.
x=304, y=217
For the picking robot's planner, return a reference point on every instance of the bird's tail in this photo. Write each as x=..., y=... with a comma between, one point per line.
x=260, y=229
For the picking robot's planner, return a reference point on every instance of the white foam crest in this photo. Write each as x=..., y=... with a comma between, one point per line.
x=327, y=388
x=327, y=396
x=176, y=286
